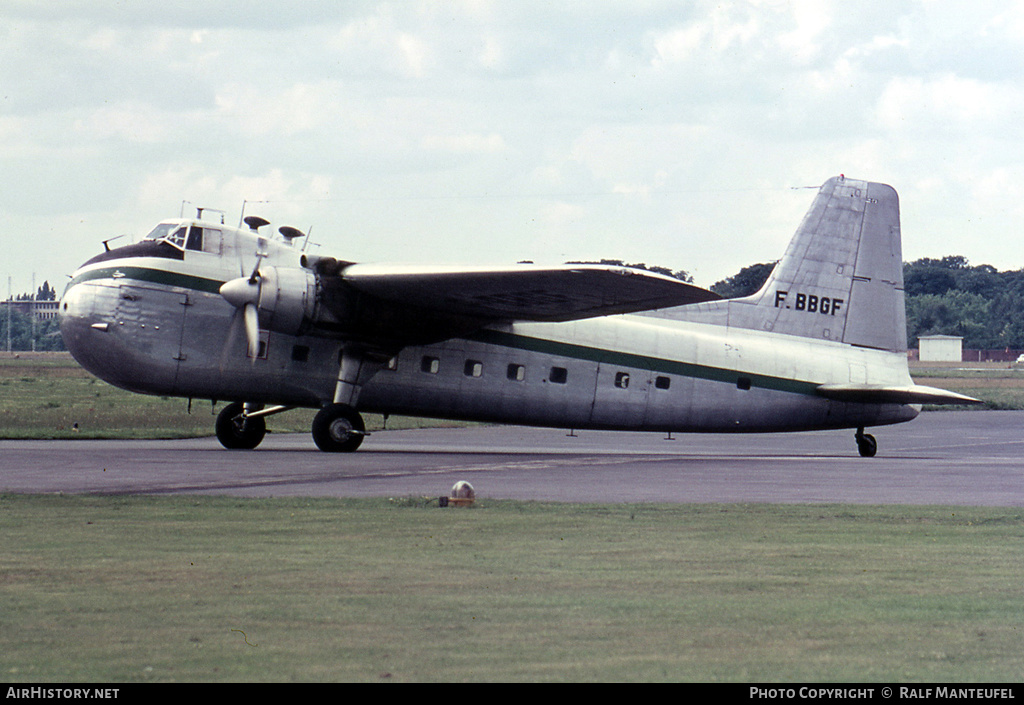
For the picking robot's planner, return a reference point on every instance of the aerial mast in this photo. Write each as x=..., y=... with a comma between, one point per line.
x=32, y=308
x=8, y=313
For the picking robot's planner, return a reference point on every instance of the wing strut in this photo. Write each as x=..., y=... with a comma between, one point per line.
x=355, y=369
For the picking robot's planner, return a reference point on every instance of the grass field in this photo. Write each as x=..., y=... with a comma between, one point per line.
x=218, y=589
x=157, y=589
x=999, y=384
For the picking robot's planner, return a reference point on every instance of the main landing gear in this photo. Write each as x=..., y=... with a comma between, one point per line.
x=866, y=443
x=337, y=427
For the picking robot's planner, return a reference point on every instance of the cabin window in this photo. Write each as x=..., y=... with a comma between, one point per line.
x=430, y=365
x=622, y=380
x=392, y=365
x=473, y=368
x=662, y=382
x=300, y=353
x=743, y=383
x=516, y=373
x=559, y=375
x=212, y=239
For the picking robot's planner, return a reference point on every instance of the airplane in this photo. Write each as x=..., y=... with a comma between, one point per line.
x=198, y=309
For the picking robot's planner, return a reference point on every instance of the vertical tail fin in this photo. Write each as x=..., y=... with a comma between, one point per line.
x=841, y=278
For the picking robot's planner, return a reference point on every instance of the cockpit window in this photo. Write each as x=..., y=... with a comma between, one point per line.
x=168, y=232
x=161, y=231
x=177, y=237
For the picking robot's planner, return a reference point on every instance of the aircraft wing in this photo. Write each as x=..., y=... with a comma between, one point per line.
x=522, y=292
x=882, y=394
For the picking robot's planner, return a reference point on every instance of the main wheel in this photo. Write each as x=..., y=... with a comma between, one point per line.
x=237, y=433
x=867, y=446
x=338, y=428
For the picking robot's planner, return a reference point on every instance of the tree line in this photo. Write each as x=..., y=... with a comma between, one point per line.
x=47, y=332
x=946, y=296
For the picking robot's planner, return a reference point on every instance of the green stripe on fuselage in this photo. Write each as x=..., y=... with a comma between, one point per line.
x=153, y=276
x=643, y=362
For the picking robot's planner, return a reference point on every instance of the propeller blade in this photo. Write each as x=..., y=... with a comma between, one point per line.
x=254, y=278
x=244, y=295
x=252, y=329
x=237, y=322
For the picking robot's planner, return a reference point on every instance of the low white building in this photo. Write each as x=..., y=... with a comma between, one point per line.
x=940, y=348
x=43, y=310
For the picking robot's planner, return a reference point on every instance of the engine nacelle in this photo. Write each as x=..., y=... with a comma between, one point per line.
x=286, y=298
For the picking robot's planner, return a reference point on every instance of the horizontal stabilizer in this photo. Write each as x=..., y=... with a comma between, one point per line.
x=524, y=292
x=883, y=394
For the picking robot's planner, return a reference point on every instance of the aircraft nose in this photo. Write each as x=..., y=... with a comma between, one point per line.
x=86, y=311
x=75, y=303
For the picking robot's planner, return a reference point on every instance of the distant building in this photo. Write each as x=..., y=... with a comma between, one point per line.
x=940, y=348
x=44, y=310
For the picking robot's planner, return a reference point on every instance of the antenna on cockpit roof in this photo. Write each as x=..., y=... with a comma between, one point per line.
x=106, y=243
x=243, y=219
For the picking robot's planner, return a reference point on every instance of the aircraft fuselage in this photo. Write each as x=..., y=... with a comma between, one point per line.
x=158, y=324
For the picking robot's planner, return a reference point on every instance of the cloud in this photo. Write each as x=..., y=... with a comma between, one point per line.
x=468, y=143
x=672, y=131
x=949, y=103
x=130, y=121
x=302, y=107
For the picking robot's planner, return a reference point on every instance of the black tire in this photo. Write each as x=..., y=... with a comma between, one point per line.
x=234, y=433
x=867, y=446
x=338, y=428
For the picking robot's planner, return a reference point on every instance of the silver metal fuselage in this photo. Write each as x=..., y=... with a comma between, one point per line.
x=160, y=326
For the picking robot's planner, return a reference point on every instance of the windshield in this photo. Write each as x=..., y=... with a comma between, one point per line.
x=171, y=232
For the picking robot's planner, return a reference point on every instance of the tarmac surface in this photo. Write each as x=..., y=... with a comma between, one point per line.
x=945, y=457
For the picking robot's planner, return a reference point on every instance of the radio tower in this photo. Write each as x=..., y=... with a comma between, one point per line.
x=8, y=313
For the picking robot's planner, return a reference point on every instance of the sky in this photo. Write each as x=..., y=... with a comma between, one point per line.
x=687, y=135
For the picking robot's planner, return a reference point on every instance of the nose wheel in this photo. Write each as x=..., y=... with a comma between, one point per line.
x=867, y=446
x=338, y=428
x=235, y=431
